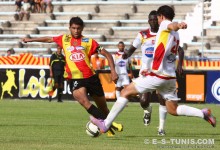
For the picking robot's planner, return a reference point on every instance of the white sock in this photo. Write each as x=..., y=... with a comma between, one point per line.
x=118, y=93
x=162, y=116
x=116, y=109
x=183, y=110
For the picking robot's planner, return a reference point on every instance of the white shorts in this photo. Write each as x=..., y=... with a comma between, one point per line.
x=122, y=80
x=166, y=88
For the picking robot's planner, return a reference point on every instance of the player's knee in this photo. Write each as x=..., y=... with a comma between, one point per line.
x=172, y=111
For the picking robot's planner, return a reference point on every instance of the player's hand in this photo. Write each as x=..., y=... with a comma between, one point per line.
x=51, y=75
x=182, y=25
x=25, y=40
x=144, y=72
x=114, y=76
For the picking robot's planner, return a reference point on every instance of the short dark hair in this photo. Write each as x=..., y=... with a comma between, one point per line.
x=76, y=20
x=153, y=12
x=120, y=42
x=166, y=11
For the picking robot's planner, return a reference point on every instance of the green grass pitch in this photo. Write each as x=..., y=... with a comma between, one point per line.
x=41, y=125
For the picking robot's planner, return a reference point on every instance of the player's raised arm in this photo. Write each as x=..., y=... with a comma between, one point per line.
x=175, y=26
x=40, y=39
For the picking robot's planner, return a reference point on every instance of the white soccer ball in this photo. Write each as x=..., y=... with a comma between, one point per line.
x=92, y=130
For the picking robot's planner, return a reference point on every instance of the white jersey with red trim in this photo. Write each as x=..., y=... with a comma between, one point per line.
x=145, y=39
x=120, y=63
x=166, y=46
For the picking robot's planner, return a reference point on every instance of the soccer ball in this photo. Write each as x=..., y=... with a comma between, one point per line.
x=92, y=130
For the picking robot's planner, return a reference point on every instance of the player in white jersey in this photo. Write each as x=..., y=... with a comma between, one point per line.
x=162, y=77
x=146, y=39
x=121, y=67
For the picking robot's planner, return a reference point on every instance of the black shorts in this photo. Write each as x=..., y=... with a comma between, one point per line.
x=92, y=85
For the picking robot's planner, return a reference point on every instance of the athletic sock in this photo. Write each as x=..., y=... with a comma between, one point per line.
x=183, y=110
x=97, y=113
x=162, y=116
x=117, y=94
x=116, y=109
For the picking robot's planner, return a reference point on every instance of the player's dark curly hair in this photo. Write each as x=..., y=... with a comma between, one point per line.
x=166, y=11
x=76, y=20
x=153, y=12
x=121, y=42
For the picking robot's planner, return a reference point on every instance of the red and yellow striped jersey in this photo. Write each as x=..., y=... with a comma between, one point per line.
x=77, y=53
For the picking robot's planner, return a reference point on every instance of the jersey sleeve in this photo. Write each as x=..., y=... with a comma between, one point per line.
x=137, y=41
x=51, y=59
x=95, y=48
x=164, y=24
x=58, y=40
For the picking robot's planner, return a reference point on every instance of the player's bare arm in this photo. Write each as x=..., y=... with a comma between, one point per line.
x=129, y=52
x=175, y=26
x=109, y=57
x=180, y=62
x=41, y=39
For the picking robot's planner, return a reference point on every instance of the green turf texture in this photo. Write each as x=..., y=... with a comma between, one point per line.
x=43, y=125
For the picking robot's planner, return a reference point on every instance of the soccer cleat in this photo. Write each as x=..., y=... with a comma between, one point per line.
x=117, y=126
x=161, y=133
x=147, y=116
x=110, y=133
x=209, y=117
x=99, y=123
x=50, y=98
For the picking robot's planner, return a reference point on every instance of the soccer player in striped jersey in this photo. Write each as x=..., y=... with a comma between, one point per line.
x=146, y=39
x=162, y=76
x=78, y=70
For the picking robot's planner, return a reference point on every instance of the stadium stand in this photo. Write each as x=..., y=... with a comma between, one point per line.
x=107, y=21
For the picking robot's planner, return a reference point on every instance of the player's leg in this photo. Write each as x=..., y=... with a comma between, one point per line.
x=95, y=89
x=118, y=87
x=118, y=106
x=162, y=115
x=79, y=93
x=118, y=91
x=139, y=85
x=183, y=110
x=145, y=99
x=60, y=88
x=102, y=105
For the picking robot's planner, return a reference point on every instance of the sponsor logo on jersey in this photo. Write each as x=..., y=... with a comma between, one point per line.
x=71, y=48
x=216, y=89
x=121, y=63
x=149, y=52
x=77, y=56
x=85, y=40
x=79, y=48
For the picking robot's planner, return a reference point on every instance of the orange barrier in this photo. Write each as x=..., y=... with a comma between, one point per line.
x=24, y=59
